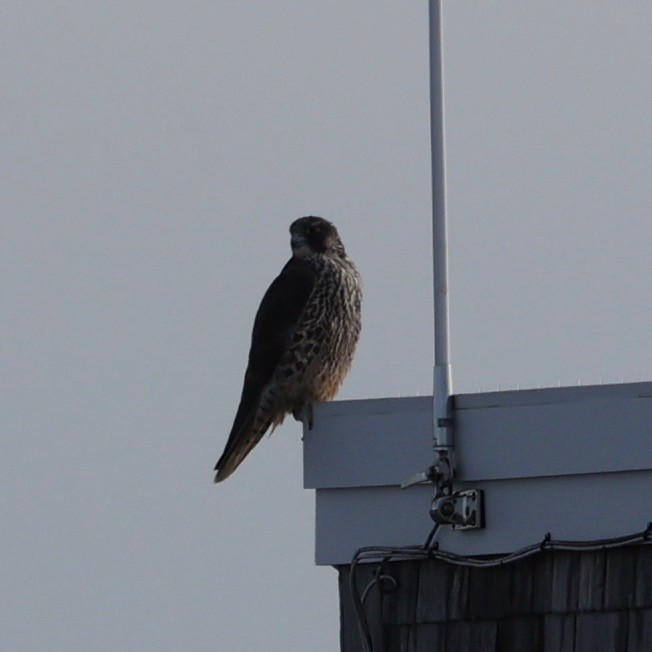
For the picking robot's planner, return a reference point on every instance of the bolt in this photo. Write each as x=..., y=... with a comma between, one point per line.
x=448, y=509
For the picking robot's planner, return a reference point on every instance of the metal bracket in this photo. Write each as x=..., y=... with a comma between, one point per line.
x=463, y=510
x=440, y=474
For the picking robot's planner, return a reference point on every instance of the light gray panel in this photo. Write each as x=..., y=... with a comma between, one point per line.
x=350, y=518
x=528, y=433
x=585, y=436
x=368, y=443
x=519, y=512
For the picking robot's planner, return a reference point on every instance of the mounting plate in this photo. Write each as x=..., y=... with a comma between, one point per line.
x=463, y=510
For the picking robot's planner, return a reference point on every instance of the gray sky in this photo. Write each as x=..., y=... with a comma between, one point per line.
x=153, y=155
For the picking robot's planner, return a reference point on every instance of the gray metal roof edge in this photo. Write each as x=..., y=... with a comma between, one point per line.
x=464, y=401
x=547, y=395
x=360, y=406
x=524, y=433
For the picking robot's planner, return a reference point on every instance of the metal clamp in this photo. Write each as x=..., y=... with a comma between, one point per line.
x=440, y=474
x=463, y=510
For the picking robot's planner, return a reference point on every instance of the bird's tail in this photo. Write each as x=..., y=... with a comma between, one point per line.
x=240, y=445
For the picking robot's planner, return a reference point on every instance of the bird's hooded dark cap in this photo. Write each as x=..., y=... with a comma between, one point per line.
x=319, y=234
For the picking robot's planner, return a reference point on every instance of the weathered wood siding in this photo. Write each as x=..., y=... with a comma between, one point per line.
x=552, y=602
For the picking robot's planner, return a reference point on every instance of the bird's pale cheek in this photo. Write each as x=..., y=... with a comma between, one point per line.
x=302, y=251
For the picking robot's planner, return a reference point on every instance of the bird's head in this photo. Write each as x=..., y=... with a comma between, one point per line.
x=315, y=235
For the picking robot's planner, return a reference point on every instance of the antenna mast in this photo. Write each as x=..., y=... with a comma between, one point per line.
x=442, y=434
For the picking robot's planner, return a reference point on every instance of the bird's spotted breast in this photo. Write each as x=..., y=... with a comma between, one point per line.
x=324, y=342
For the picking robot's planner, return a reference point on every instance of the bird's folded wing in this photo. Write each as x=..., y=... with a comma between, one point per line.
x=276, y=320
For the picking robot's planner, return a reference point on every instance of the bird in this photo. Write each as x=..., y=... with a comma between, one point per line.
x=304, y=337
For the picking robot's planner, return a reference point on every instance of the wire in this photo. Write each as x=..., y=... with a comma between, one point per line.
x=432, y=536
x=430, y=550
x=387, y=554
x=378, y=581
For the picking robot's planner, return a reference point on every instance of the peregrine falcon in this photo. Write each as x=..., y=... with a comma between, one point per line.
x=303, y=340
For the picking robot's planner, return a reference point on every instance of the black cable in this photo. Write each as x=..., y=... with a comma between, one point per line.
x=431, y=537
x=388, y=552
x=430, y=550
x=358, y=606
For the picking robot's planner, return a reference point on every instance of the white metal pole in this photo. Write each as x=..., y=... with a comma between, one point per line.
x=443, y=439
